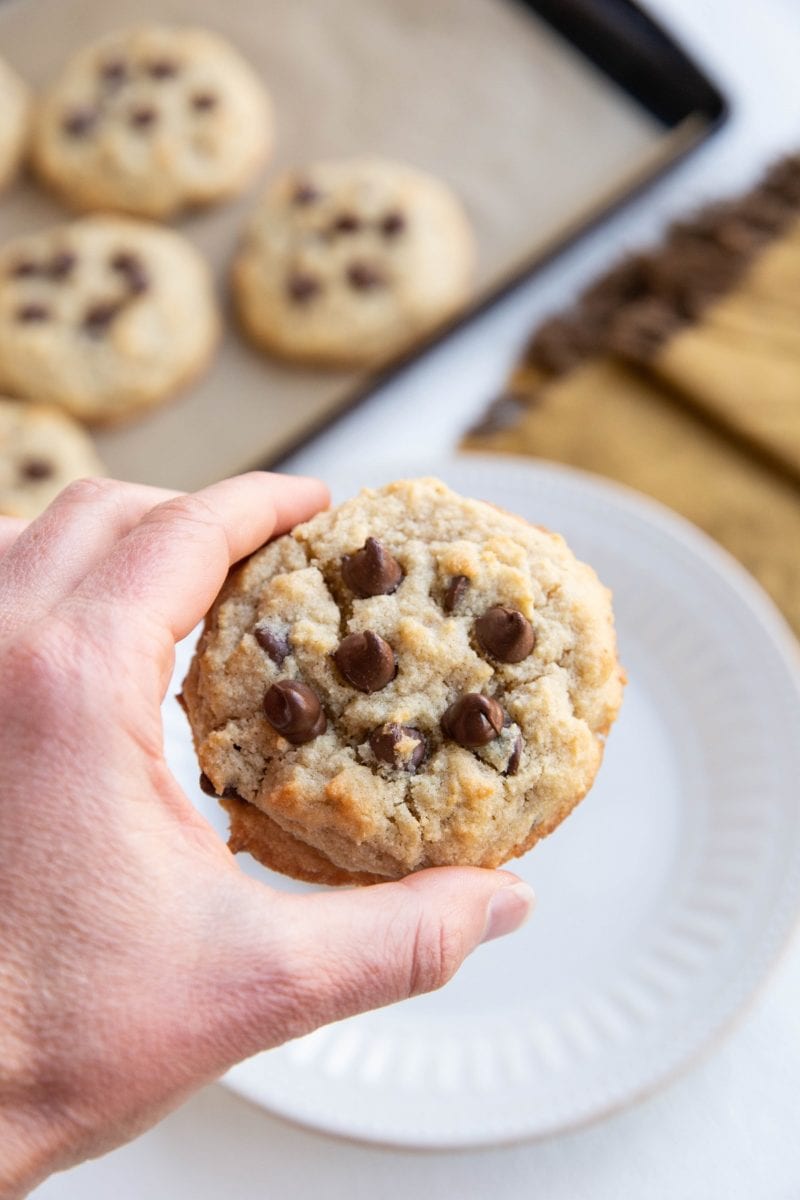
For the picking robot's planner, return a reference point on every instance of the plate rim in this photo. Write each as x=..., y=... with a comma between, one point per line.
x=784, y=933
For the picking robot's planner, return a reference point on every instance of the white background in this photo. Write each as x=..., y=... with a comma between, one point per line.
x=730, y=1128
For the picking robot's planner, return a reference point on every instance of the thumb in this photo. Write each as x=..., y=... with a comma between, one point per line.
x=319, y=958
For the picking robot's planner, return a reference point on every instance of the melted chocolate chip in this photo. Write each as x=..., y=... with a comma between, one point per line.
x=366, y=661
x=505, y=634
x=207, y=786
x=275, y=643
x=142, y=118
x=162, y=68
x=132, y=269
x=473, y=721
x=294, y=711
x=392, y=224
x=305, y=193
x=28, y=314
x=25, y=268
x=98, y=317
x=346, y=223
x=513, y=763
x=387, y=744
x=303, y=287
x=35, y=469
x=371, y=571
x=61, y=265
x=80, y=121
x=114, y=72
x=364, y=277
x=204, y=101
x=455, y=591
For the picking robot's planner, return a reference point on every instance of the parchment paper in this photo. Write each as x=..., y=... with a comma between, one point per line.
x=530, y=136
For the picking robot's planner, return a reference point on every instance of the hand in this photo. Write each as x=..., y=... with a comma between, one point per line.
x=137, y=962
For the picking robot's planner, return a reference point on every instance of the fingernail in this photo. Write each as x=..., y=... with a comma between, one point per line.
x=509, y=908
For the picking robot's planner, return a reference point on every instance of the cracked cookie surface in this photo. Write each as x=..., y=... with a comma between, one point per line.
x=41, y=451
x=350, y=262
x=104, y=316
x=152, y=120
x=412, y=679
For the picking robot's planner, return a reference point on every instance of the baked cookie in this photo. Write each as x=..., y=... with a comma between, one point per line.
x=15, y=107
x=410, y=680
x=104, y=317
x=152, y=120
x=41, y=451
x=348, y=263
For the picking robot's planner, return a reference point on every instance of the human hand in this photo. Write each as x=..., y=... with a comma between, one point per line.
x=137, y=962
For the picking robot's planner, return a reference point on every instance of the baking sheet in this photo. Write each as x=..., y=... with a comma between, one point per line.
x=531, y=137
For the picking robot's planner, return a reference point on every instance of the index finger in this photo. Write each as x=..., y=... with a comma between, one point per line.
x=171, y=565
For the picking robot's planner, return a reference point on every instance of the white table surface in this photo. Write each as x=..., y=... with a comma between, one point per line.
x=730, y=1127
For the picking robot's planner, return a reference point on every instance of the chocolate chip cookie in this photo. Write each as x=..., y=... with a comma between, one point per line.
x=41, y=451
x=347, y=263
x=105, y=317
x=152, y=120
x=15, y=107
x=409, y=680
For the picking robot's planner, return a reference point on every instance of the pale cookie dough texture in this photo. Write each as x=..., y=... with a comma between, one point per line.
x=153, y=120
x=14, y=122
x=444, y=675
x=348, y=263
x=105, y=317
x=41, y=451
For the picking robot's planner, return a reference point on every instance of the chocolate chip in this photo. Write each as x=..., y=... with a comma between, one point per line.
x=276, y=644
x=80, y=121
x=114, y=72
x=98, y=317
x=303, y=287
x=505, y=634
x=371, y=571
x=503, y=413
x=24, y=268
x=204, y=101
x=162, y=68
x=513, y=762
x=294, y=711
x=143, y=117
x=366, y=661
x=131, y=267
x=305, y=193
x=30, y=313
x=207, y=786
x=36, y=468
x=390, y=744
x=473, y=721
x=346, y=223
x=455, y=591
x=364, y=277
x=61, y=265
x=392, y=224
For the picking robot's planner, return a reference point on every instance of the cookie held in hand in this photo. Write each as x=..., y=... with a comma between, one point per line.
x=412, y=679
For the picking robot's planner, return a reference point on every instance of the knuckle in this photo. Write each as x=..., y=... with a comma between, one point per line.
x=190, y=515
x=92, y=490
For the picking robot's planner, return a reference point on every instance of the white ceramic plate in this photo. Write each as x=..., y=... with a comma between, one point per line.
x=663, y=900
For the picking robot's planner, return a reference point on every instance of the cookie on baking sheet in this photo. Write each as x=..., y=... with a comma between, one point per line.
x=409, y=680
x=14, y=122
x=41, y=451
x=152, y=120
x=105, y=317
x=347, y=263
